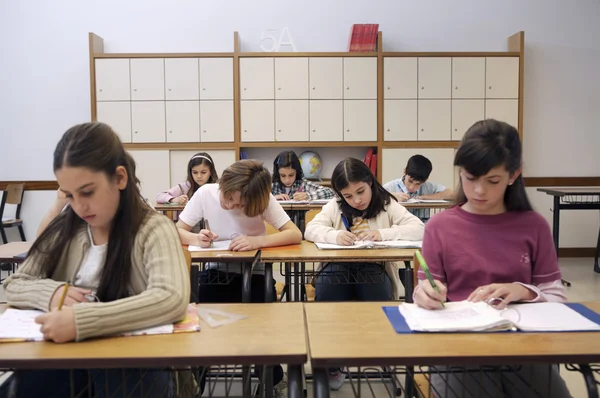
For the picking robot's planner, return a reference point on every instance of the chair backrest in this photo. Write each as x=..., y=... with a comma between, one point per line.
x=416, y=267
x=188, y=259
x=14, y=194
x=310, y=215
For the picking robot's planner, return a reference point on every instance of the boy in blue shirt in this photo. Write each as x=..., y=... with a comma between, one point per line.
x=414, y=185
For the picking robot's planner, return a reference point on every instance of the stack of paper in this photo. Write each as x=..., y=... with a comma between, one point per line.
x=366, y=244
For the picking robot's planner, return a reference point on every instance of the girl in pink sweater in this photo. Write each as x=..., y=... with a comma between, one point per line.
x=200, y=170
x=491, y=245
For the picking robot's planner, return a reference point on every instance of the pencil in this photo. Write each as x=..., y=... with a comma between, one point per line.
x=64, y=295
x=425, y=269
x=206, y=226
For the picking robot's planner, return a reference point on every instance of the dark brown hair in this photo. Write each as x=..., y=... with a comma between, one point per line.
x=252, y=180
x=198, y=159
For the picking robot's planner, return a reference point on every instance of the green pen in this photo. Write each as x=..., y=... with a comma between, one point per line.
x=425, y=269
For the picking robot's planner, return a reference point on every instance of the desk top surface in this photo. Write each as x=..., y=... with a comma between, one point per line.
x=272, y=334
x=570, y=191
x=359, y=334
x=307, y=251
x=9, y=250
x=224, y=256
x=168, y=206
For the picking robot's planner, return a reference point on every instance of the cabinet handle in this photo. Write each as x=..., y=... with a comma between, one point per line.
x=456, y=88
x=244, y=88
x=203, y=88
x=455, y=129
x=313, y=88
x=245, y=131
x=347, y=88
x=279, y=88
x=388, y=129
x=422, y=129
x=170, y=131
x=100, y=90
x=204, y=131
x=135, y=89
x=169, y=89
x=347, y=130
x=422, y=87
x=314, y=130
x=135, y=132
x=490, y=87
x=279, y=131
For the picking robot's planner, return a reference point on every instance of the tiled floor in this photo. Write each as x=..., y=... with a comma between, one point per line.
x=585, y=287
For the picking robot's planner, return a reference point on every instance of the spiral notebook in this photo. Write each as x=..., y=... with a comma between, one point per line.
x=466, y=316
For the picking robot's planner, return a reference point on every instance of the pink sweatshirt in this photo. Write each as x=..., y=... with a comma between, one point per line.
x=466, y=251
x=177, y=190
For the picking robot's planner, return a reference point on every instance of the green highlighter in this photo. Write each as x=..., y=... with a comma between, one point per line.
x=425, y=269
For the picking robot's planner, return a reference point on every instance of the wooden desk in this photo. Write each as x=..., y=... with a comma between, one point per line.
x=308, y=252
x=10, y=250
x=248, y=259
x=272, y=334
x=169, y=210
x=573, y=199
x=359, y=334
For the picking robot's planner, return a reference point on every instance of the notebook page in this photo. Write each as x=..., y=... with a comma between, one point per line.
x=548, y=317
x=218, y=245
x=455, y=317
x=20, y=324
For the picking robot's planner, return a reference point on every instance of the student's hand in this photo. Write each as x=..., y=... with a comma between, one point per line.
x=505, y=293
x=61, y=199
x=74, y=295
x=345, y=238
x=245, y=243
x=58, y=326
x=282, y=196
x=205, y=237
x=301, y=196
x=183, y=199
x=426, y=296
x=372, y=235
x=401, y=196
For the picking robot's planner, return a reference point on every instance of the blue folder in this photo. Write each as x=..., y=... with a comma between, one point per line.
x=400, y=326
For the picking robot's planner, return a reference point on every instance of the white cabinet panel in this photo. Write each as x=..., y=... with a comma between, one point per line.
x=181, y=79
x=216, y=121
x=183, y=121
x=435, y=77
x=117, y=114
x=112, y=80
x=400, y=121
x=258, y=121
x=326, y=78
x=291, y=120
x=291, y=78
x=503, y=110
x=502, y=77
x=468, y=78
x=216, y=78
x=152, y=168
x=257, y=78
x=326, y=120
x=464, y=114
x=360, y=120
x=400, y=78
x=148, y=121
x=395, y=159
x=147, y=79
x=434, y=120
x=360, y=78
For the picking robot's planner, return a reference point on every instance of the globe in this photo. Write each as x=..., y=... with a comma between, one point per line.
x=312, y=165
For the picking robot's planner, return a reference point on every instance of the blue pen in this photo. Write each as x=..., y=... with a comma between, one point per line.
x=346, y=223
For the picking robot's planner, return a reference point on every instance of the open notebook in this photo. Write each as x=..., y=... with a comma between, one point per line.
x=19, y=325
x=366, y=244
x=219, y=245
x=413, y=200
x=465, y=316
x=298, y=202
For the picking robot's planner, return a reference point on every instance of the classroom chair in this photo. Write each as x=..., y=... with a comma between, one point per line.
x=13, y=195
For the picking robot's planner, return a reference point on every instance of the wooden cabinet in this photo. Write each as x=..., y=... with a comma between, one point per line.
x=258, y=121
x=502, y=77
x=216, y=78
x=112, y=80
x=360, y=120
x=148, y=121
x=464, y=114
x=183, y=121
x=181, y=79
x=116, y=114
x=256, y=78
x=147, y=79
x=291, y=78
x=468, y=78
x=291, y=120
x=400, y=78
x=360, y=78
x=400, y=121
x=326, y=120
x=435, y=77
x=216, y=121
x=434, y=120
x=325, y=78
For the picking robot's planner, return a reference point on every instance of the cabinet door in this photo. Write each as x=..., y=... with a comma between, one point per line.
x=291, y=78
x=464, y=114
x=257, y=78
x=503, y=110
x=147, y=79
x=258, y=121
x=360, y=120
x=400, y=78
x=434, y=120
x=183, y=121
x=326, y=79
x=360, y=78
x=181, y=79
x=152, y=168
x=326, y=120
x=435, y=77
x=400, y=121
x=291, y=120
x=216, y=121
x=117, y=114
x=112, y=80
x=148, y=121
x=468, y=78
x=216, y=78
x=502, y=77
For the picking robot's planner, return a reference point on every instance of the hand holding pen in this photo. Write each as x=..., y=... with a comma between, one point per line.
x=206, y=236
x=301, y=195
x=69, y=295
x=347, y=237
x=431, y=294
